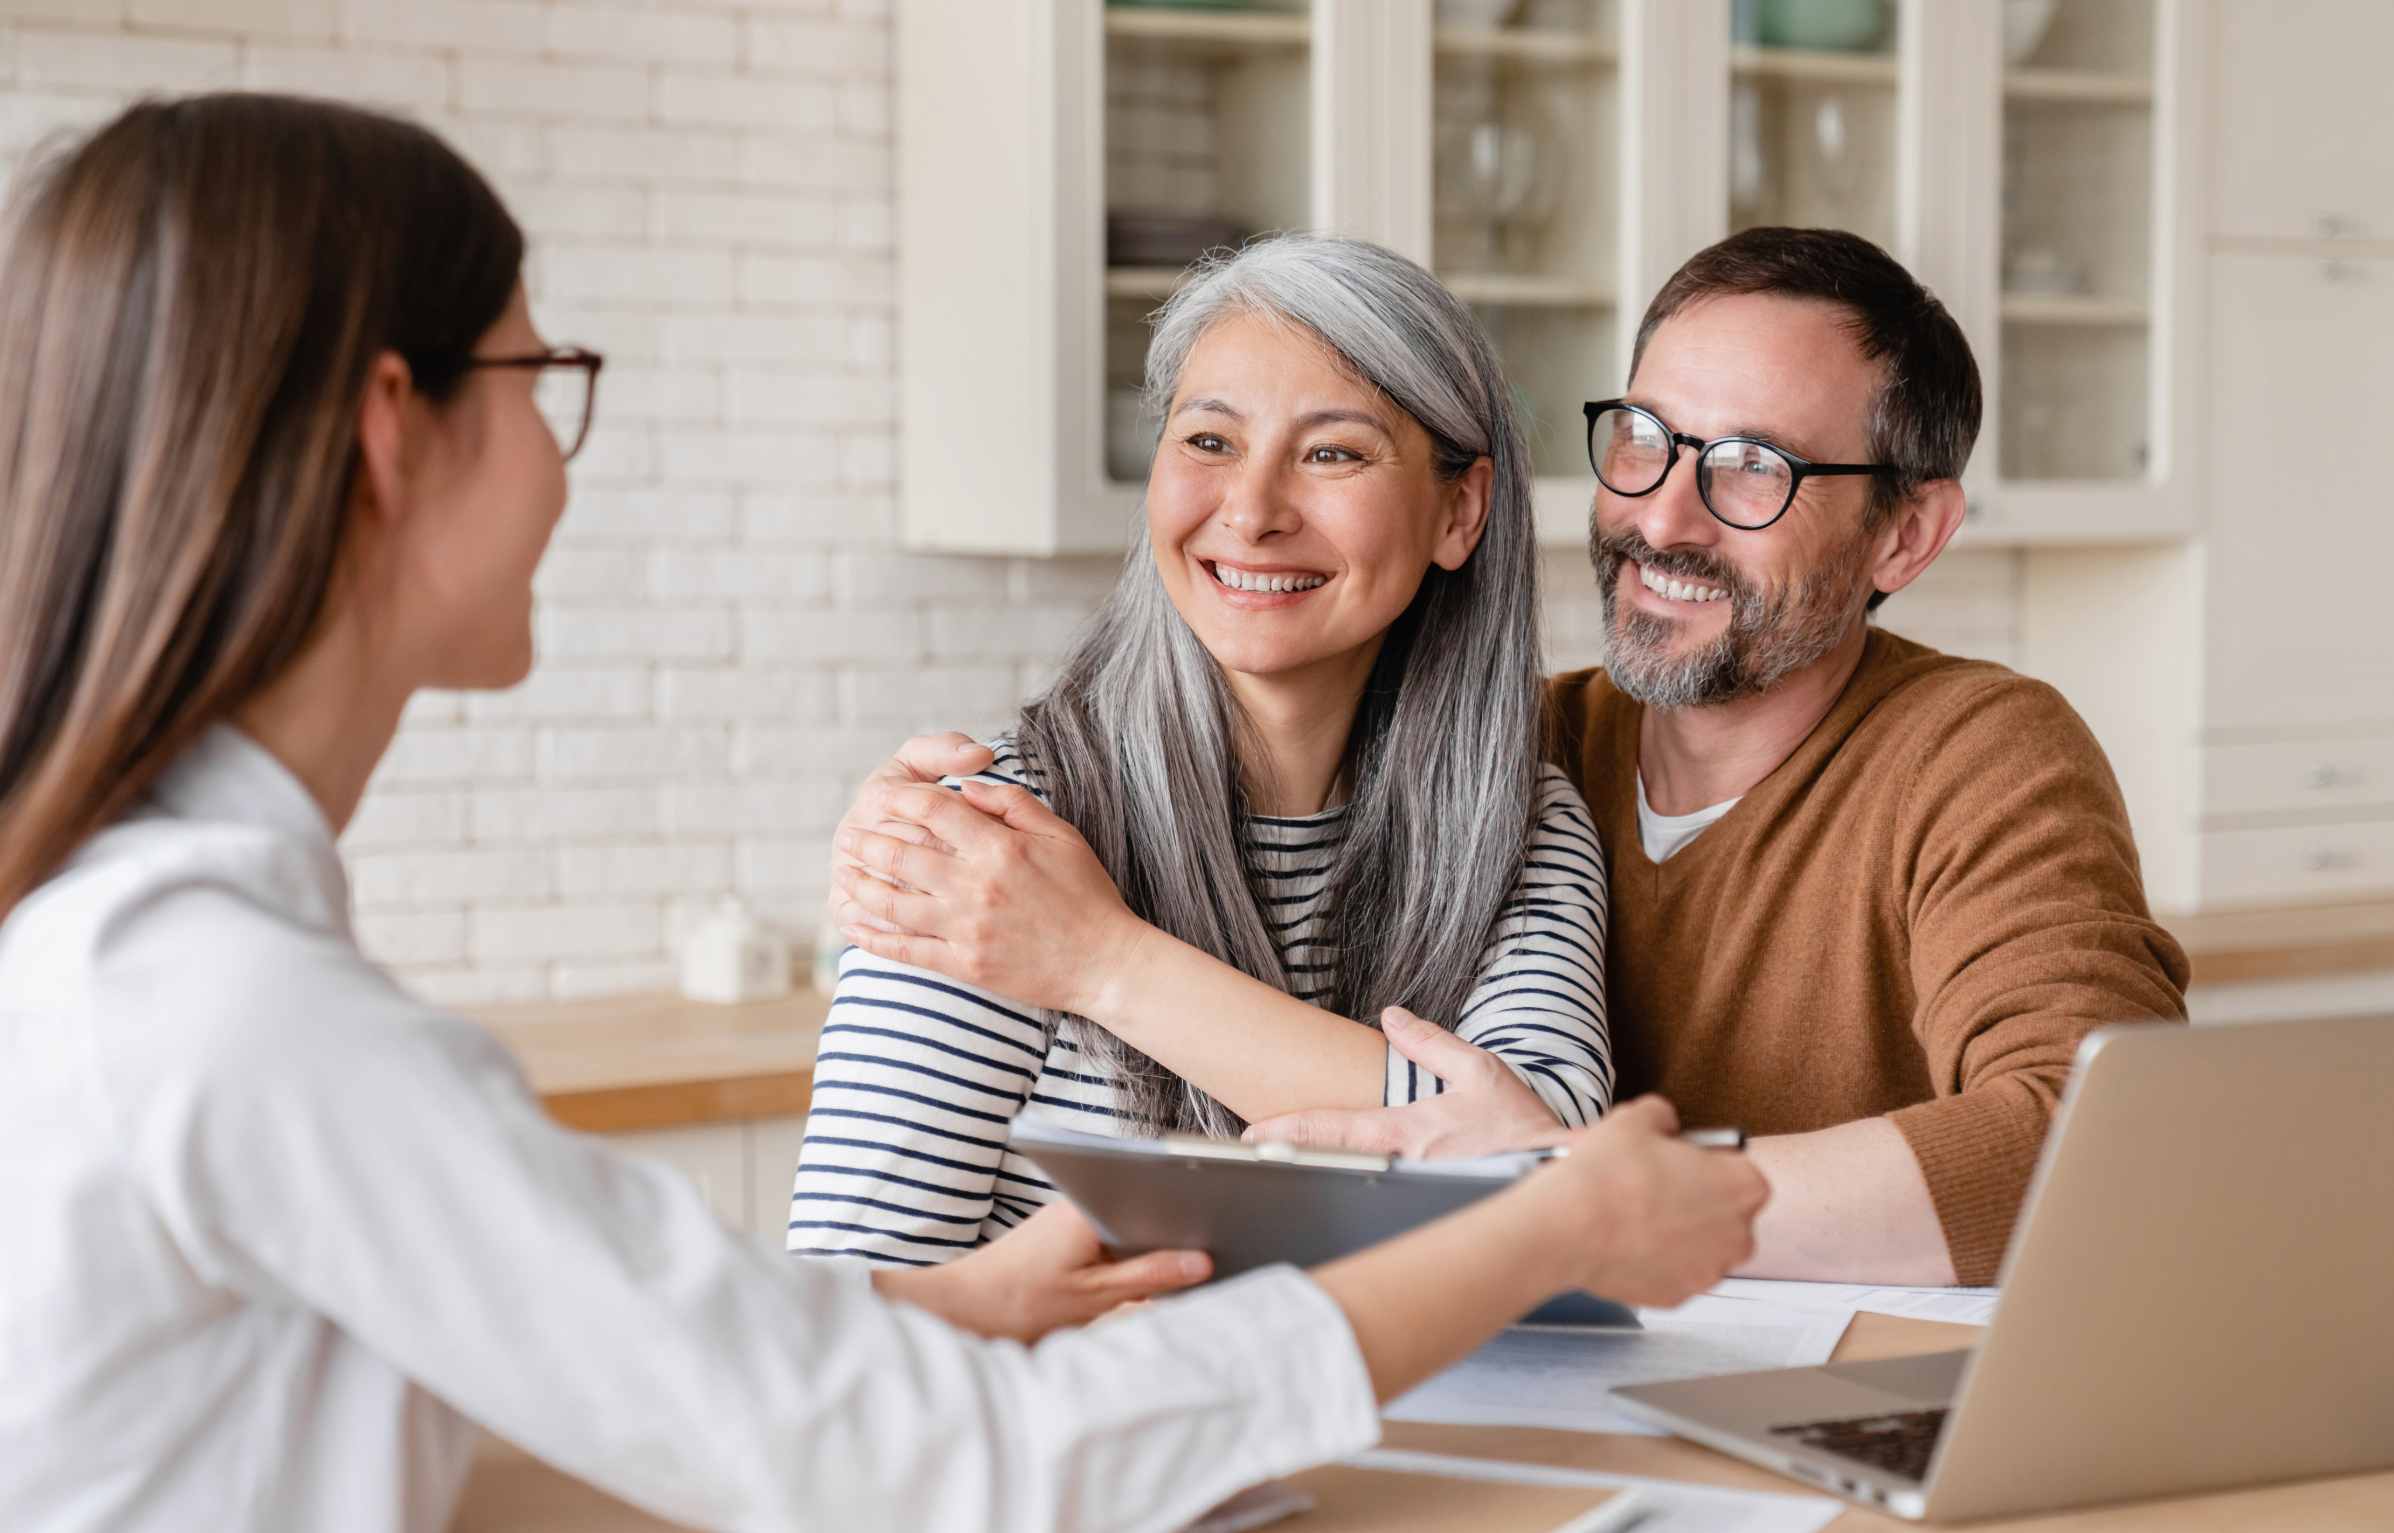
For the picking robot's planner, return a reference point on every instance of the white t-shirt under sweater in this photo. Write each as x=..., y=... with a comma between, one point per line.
x=1664, y=834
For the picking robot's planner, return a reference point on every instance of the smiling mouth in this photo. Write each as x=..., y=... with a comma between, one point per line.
x=1694, y=593
x=1265, y=583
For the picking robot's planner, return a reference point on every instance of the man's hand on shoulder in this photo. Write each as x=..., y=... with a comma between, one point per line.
x=923, y=759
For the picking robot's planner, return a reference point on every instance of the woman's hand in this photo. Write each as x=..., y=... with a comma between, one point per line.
x=1641, y=1216
x=1000, y=893
x=1048, y=1274
x=1484, y=1110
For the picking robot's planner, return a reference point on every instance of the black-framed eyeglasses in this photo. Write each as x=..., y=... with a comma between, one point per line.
x=565, y=387
x=1744, y=483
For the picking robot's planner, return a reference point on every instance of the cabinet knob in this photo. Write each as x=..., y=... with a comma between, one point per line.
x=2343, y=273
x=2336, y=226
x=2334, y=861
x=2325, y=778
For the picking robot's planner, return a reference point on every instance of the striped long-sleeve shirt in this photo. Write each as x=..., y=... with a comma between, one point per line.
x=920, y=1077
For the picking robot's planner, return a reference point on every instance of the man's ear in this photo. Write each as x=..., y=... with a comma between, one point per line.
x=382, y=437
x=1922, y=527
x=1466, y=515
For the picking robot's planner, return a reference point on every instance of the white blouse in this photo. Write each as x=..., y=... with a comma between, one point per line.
x=280, y=1235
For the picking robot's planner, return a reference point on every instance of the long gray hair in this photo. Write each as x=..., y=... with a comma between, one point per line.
x=1140, y=743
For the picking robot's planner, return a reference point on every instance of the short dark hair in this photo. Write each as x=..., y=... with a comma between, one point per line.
x=1924, y=419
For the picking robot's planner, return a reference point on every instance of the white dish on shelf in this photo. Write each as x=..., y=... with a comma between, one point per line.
x=2024, y=24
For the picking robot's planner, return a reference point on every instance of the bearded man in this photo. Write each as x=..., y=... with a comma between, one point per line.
x=1866, y=898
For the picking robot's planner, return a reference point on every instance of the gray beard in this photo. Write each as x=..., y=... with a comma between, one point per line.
x=1768, y=638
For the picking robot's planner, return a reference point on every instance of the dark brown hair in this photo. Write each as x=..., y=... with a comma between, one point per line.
x=1924, y=418
x=191, y=299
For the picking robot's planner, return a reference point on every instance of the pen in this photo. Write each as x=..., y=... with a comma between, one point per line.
x=1701, y=1138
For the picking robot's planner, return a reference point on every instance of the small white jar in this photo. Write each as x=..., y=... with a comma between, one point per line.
x=731, y=958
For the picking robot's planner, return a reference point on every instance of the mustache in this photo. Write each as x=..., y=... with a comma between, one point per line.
x=1685, y=564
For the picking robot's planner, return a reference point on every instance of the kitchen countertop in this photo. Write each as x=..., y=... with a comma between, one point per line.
x=628, y=1063
x=2283, y=942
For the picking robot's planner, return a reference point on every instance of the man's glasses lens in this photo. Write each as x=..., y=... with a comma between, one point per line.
x=1745, y=483
x=1629, y=450
x=563, y=395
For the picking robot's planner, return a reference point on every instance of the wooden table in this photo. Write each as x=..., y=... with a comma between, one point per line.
x=512, y=1493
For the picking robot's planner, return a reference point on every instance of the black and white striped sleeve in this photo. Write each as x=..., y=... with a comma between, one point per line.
x=1539, y=1005
x=916, y=1089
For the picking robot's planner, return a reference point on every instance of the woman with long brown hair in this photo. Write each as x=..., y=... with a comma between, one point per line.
x=273, y=455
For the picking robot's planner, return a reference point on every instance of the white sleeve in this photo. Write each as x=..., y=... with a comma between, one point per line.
x=313, y=1136
x=1539, y=1005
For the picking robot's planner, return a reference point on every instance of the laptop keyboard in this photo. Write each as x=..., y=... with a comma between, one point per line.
x=1900, y=1443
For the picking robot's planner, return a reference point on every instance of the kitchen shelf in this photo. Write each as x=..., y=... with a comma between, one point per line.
x=1228, y=31
x=1811, y=66
x=2079, y=87
x=2072, y=309
x=1529, y=46
x=1506, y=289
x=1157, y=282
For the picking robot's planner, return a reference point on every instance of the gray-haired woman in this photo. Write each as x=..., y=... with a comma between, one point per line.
x=1295, y=774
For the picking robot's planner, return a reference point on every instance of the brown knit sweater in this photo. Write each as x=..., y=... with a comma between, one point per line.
x=1920, y=913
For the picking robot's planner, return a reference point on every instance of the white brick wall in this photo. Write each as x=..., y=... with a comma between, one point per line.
x=729, y=634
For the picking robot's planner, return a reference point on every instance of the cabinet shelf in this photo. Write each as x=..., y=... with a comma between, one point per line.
x=1156, y=282
x=2079, y=87
x=1811, y=66
x=1499, y=289
x=1528, y=46
x=1226, y=31
x=2072, y=309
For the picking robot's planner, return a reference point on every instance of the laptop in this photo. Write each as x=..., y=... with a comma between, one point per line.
x=2200, y=1294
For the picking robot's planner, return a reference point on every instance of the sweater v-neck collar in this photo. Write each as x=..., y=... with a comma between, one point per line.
x=1761, y=802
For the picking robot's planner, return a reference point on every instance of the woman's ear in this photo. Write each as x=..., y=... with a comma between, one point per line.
x=382, y=438
x=1465, y=515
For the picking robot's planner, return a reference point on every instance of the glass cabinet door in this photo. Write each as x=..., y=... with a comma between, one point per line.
x=2077, y=240
x=1525, y=203
x=1207, y=143
x=1812, y=115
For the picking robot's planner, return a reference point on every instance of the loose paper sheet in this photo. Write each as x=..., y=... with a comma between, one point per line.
x=1562, y=1376
x=1956, y=1306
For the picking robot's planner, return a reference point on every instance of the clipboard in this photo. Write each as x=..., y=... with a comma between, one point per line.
x=1255, y=1205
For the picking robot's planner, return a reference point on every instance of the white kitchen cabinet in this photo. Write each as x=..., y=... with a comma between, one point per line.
x=2331, y=775
x=1554, y=171
x=2300, y=531
x=2244, y=685
x=2294, y=864
x=2303, y=150
x=743, y=1170
x=773, y=1145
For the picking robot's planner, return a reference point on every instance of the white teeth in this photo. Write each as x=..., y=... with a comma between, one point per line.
x=1679, y=590
x=1241, y=580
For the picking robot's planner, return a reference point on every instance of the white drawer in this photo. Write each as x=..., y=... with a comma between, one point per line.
x=2298, y=863
x=2286, y=776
